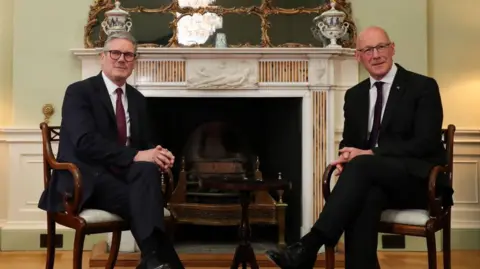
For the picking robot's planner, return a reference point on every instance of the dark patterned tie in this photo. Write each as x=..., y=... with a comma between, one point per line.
x=377, y=116
x=121, y=119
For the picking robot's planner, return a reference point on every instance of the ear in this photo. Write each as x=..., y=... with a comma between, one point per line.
x=357, y=55
x=393, y=48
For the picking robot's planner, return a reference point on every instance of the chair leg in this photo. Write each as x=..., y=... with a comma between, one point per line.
x=50, y=261
x=432, y=250
x=78, y=249
x=447, y=262
x=114, y=248
x=329, y=257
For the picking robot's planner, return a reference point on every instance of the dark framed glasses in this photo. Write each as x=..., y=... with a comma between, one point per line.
x=116, y=54
x=380, y=48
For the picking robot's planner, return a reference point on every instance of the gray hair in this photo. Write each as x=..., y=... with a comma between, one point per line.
x=121, y=35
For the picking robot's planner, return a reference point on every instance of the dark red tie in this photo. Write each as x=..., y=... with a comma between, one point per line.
x=121, y=119
x=377, y=115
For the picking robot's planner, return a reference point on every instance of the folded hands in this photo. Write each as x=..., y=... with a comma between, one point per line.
x=159, y=155
x=346, y=155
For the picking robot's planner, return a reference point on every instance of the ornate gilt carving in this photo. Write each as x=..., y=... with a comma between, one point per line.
x=266, y=9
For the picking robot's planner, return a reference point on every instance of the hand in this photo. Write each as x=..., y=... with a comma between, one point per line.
x=354, y=152
x=343, y=158
x=145, y=155
x=162, y=157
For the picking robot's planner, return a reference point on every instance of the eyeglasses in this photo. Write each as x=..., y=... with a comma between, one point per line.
x=380, y=48
x=116, y=54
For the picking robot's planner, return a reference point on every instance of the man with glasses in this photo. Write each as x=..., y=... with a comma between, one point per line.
x=391, y=141
x=105, y=133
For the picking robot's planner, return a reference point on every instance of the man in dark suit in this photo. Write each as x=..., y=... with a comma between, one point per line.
x=104, y=131
x=391, y=141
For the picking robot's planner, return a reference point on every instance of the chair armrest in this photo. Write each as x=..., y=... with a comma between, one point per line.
x=70, y=206
x=326, y=180
x=434, y=203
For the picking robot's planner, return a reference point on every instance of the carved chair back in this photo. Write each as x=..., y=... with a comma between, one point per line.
x=448, y=140
x=49, y=134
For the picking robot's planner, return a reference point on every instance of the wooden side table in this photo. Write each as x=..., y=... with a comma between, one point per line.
x=244, y=253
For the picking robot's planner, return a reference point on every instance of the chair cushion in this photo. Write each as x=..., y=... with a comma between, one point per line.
x=418, y=217
x=99, y=216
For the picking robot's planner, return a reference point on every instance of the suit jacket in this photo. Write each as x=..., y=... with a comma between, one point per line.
x=88, y=138
x=410, y=128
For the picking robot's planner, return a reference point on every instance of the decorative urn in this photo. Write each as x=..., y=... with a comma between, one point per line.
x=116, y=20
x=330, y=24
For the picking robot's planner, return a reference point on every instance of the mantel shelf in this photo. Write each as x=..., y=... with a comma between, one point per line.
x=242, y=69
x=325, y=52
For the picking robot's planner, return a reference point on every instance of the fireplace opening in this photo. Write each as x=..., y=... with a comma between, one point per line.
x=236, y=138
x=216, y=149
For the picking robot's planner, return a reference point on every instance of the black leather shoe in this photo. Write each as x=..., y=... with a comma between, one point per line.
x=289, y=258
x=151, y=262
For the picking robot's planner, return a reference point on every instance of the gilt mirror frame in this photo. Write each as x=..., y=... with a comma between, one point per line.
x=263, y=11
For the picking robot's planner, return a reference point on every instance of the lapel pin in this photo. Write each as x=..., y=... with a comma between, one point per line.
x=398, y=87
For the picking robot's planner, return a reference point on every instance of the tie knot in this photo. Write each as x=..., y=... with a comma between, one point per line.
x=119, y=91
x=379, y=85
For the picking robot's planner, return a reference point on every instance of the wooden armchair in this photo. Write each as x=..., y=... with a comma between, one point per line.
x=88, y=221
x=414, y=222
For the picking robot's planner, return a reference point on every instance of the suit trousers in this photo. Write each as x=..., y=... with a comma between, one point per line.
x=368, y=185
x=135, y=195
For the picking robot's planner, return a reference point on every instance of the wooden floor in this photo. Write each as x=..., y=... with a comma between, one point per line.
x=388, y=260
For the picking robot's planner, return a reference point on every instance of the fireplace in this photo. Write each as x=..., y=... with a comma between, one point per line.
x=316, y=76
x=215, y=149
x=230, y=137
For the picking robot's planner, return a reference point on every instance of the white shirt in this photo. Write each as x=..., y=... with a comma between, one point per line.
x=387, y=84
x=112, y=87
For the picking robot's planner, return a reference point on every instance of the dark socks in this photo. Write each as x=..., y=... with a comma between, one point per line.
x=313, y=240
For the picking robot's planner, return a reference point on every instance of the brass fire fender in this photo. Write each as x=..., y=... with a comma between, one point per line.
x=263, y=11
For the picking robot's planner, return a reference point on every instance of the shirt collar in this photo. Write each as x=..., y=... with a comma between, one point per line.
x=112, y=87
x=388, y=78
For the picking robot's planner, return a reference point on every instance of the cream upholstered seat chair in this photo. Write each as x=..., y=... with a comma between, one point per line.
x=417, y=217
x=98, y=216
x=415, y=222
x=88, y=221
